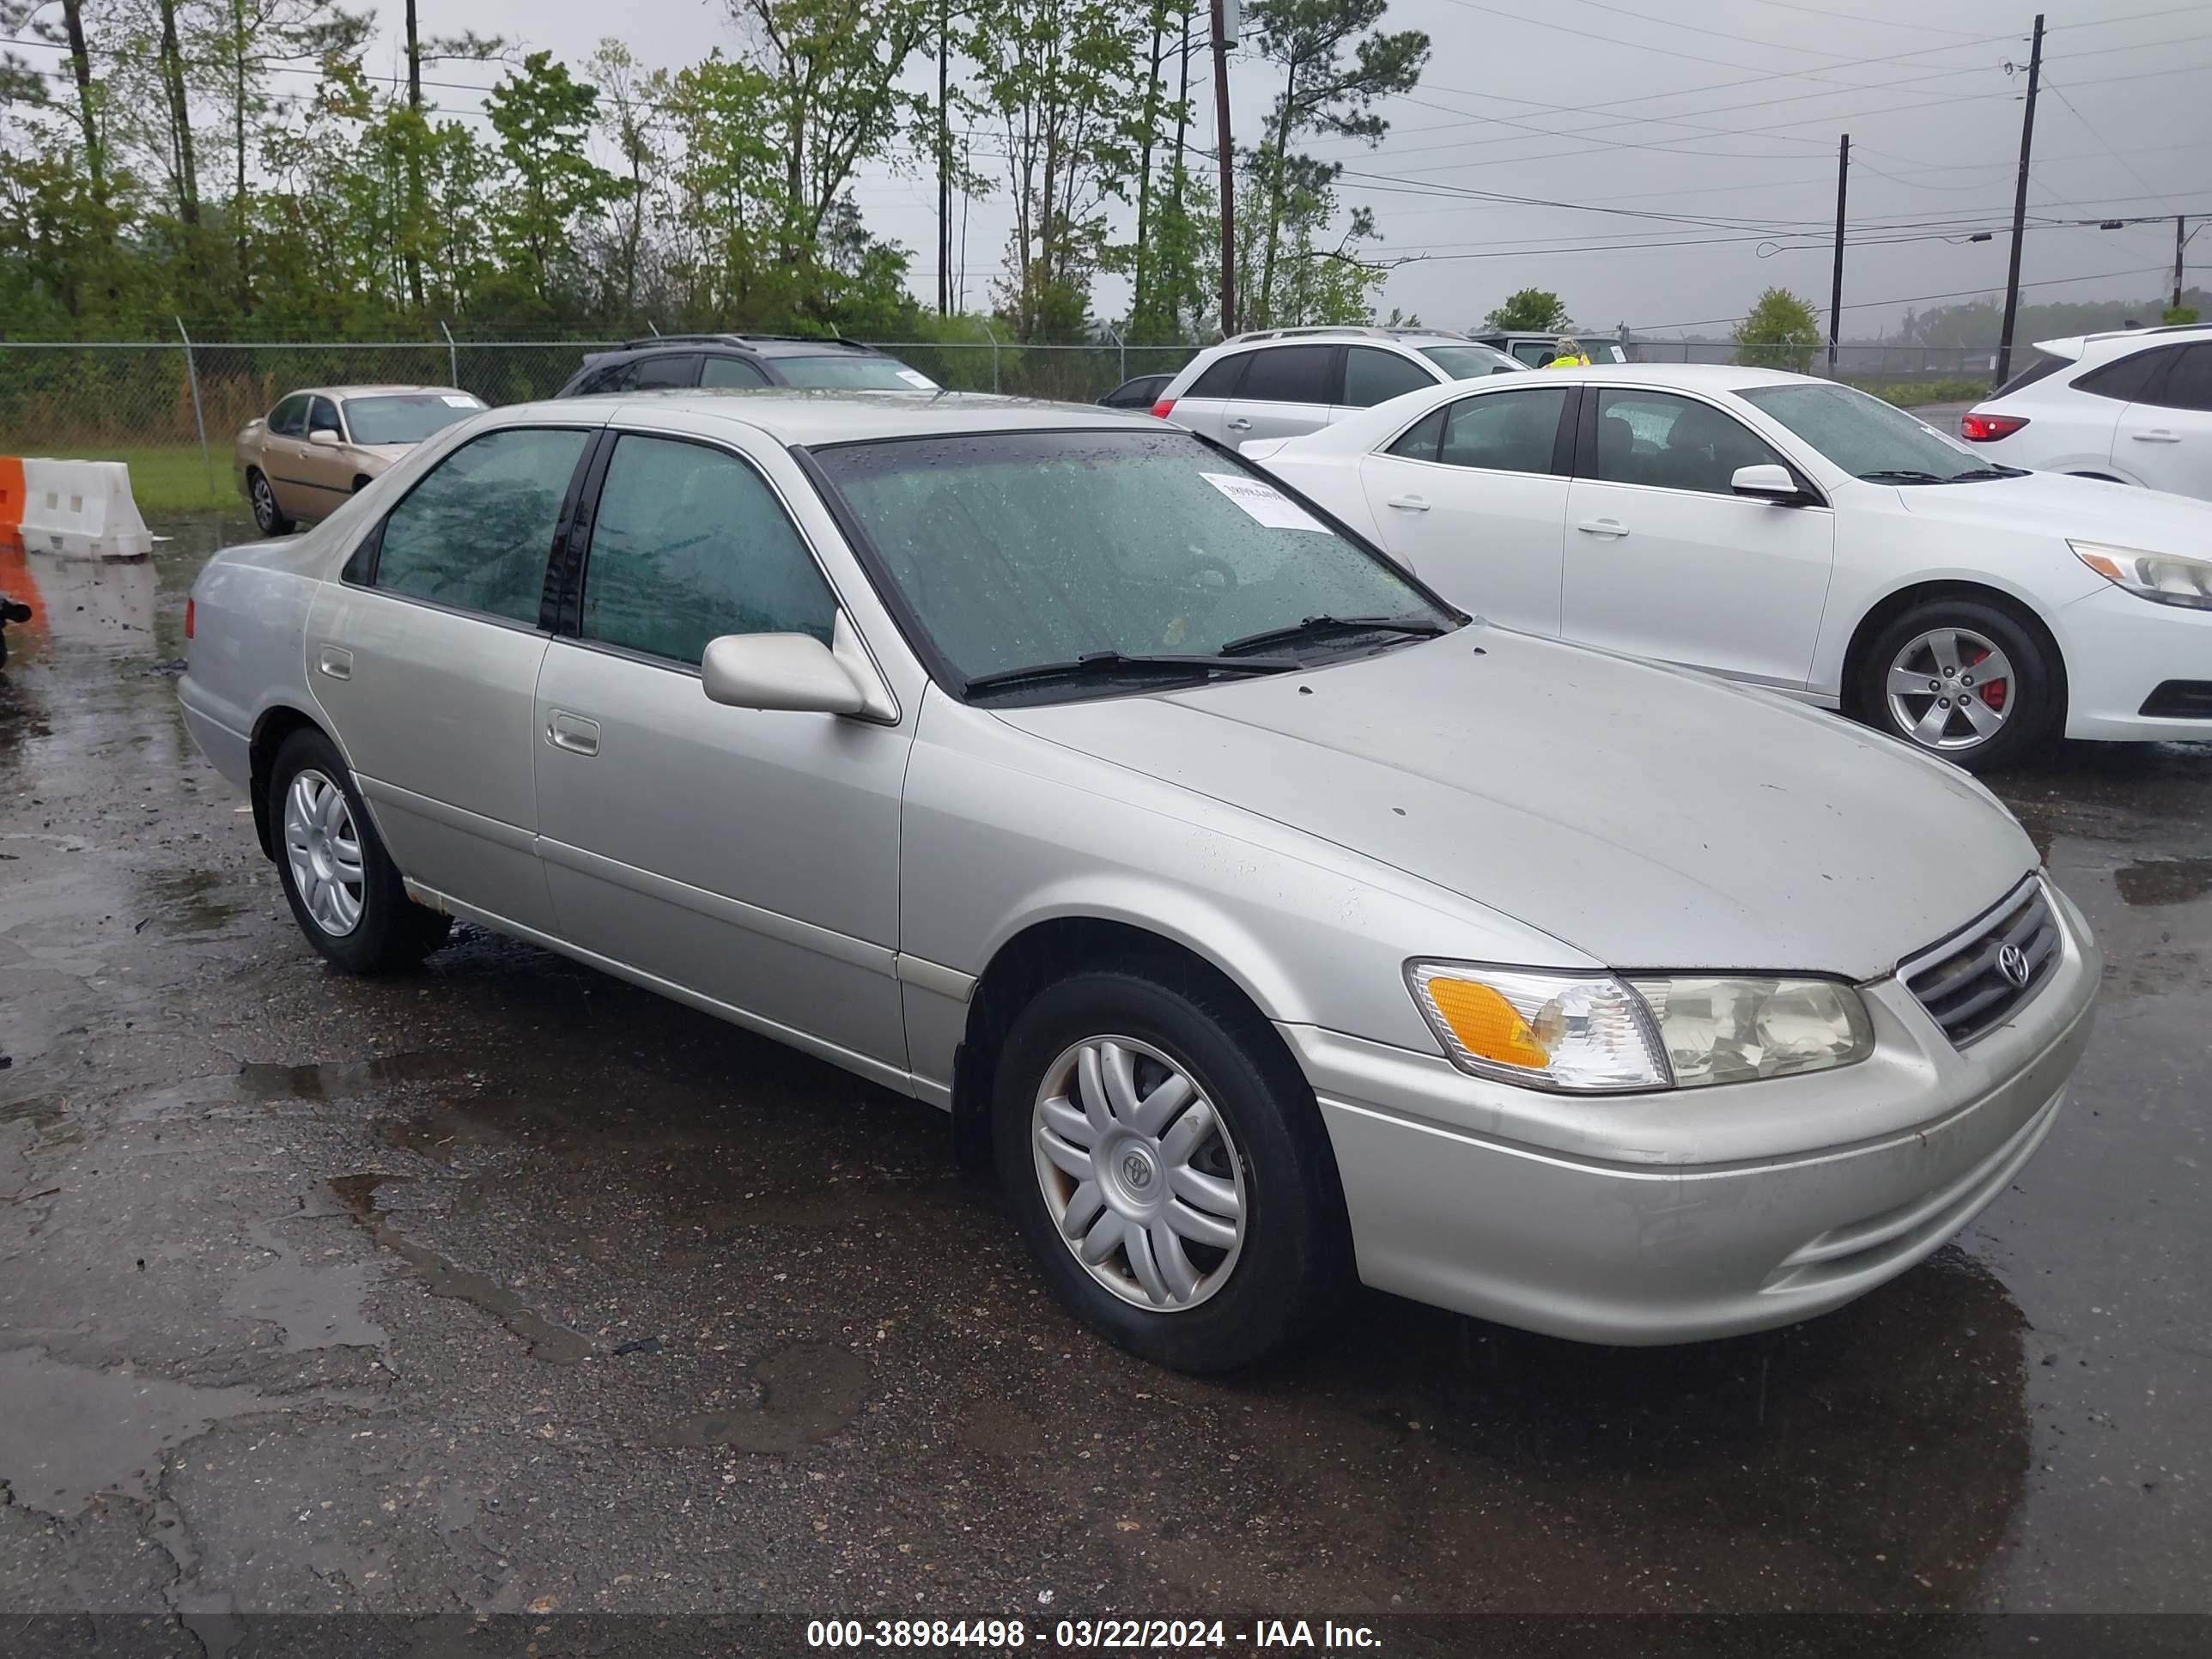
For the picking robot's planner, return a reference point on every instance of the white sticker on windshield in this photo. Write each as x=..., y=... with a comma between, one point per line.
x=460, y=402
x=917, y=380
x=1264, y=503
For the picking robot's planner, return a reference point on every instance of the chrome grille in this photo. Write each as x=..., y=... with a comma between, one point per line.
x=1962, y=982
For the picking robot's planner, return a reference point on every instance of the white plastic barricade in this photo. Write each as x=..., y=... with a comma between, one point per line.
x=78, y=509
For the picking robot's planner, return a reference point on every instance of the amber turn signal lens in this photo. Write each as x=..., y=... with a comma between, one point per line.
x=1486, y=1024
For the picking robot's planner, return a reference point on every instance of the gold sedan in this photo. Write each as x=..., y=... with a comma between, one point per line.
x=320, y=445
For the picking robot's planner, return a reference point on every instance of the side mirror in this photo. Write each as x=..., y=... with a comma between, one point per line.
x=793, y=672
x=1767, y=483
x=326, y=436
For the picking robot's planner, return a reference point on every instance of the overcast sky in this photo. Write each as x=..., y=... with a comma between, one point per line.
x=1727, y=124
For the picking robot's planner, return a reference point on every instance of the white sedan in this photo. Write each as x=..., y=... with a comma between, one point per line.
x=1791, y=533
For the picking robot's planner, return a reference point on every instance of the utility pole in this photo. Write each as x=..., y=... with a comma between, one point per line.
x=2179, y=241
x=944, y=159
x=2019, y=205
x=1228, y=168
x=1835, y=292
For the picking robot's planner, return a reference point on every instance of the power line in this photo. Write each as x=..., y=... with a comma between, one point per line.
x=1918, y=299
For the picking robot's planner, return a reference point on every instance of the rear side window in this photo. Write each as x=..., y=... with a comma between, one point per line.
x=1505, y=432
x=2135, y=378
x=2188, y=383
x=1221, y=379
x=2045, y=364
x=690, y=544
x=674, y=370
x=1372, y=377
x=730, y=371
x=290, y=418
x=1419, y=441
x=1290, y=374
x=476, y=532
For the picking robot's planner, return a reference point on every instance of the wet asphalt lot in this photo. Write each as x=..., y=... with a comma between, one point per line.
x=511, y=1288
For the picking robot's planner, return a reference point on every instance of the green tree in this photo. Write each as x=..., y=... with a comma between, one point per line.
x=1529, y=311
x=1782, y=332
x=543, y=116
x=1337, y=65
x=726, y=210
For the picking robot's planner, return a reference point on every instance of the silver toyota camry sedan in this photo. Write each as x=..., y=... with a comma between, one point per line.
x=1268, y=922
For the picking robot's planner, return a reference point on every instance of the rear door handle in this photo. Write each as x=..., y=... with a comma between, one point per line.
x=2157, y=435
x=1603, y=527
x=573, y=732
x=335, y=661
x=1410, y=503
x=1238, y=423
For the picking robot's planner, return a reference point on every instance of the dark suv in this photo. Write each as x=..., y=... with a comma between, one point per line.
x=743, y=360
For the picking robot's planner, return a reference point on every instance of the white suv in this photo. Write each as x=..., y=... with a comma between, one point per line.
x=2134, y=405
x=1286, y=382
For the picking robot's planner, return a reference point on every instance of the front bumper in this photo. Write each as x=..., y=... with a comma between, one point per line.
x=2120, y=648
x=1511, y=1205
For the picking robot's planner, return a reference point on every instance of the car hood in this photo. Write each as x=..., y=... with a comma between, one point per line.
x=2058, y=503
x=1648, y=818
x=383, y=454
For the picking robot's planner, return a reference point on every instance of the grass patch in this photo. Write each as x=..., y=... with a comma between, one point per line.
x=166, y=479
x=1910, y=394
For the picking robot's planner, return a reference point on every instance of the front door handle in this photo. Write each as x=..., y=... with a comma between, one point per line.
x=1603, y=527
x=2157, y=435
x=573, y=732
x=1410, y=503
x=1238, y=423
x=335, y=661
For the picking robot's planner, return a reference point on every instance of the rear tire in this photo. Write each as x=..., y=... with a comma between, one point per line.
x=345, y=892
x=1964, y=679
x=1230, y=1230
x=268, y=517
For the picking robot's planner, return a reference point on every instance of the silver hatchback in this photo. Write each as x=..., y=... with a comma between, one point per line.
x=1265, y=921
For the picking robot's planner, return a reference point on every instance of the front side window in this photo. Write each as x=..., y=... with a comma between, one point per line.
x=1290, y=374
x=852, y=372
x=1372, y=377
x=290, y=418
x=1505, y=432
x=656, y=373
x=730, y=372
x=407, y=417
x=1016, y=549
x=690, y=544
x=323, y=417
x=476, y=532
x=1678, y=443
x=1865, y=436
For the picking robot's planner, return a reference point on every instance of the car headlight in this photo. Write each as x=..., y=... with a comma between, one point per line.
x=1595, y=1033
x=2162, y=577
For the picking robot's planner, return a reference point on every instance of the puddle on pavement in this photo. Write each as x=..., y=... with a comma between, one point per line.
x=71, y=1433
x=2164, y=881
x=192, y=901
x=557, y=1345
x=338, y=1079
x=807, y=1392
x=316, y=1303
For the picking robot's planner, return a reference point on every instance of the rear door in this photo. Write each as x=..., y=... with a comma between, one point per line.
x=1664, y=560
x=2076, y=428
x=424, y=656
x=719, y=370
x=2165, y=438
x=1473, y=499
x=1372, y=376
x=1286, y=392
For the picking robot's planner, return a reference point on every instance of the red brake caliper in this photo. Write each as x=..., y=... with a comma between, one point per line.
x=1994, y=692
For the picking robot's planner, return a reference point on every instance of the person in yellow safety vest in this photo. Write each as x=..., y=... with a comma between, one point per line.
x=1567, y=353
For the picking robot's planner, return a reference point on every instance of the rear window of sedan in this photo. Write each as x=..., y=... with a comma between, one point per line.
x=406, y=417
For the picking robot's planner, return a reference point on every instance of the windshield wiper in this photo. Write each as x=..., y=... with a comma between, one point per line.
x=1110, y=665
x=1972, y=473
x=1907, y=474
x=1320, y=628
x=1901, y=475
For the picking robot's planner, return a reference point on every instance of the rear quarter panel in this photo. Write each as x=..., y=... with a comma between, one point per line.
x=245, y=656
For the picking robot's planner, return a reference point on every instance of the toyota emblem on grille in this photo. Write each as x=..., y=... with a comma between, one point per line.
x=2012, y=963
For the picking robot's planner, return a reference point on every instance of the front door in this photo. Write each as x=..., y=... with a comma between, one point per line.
x=1471, y=500
x=425, y=657
x=1664, y=560
x=2165, y=438
x=326, y=473
x=750, y=857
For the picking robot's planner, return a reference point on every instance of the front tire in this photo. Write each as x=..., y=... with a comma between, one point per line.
x=1964, y=679
x=1169, y=1170
x=269, y=518
x=344, y=891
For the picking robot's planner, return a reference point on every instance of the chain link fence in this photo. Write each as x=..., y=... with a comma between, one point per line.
x=1871, y=364
x=57, y=398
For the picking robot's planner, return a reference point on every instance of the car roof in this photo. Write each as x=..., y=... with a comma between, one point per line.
x=1700, y=377
x=2074, y=345
x=790, y=415
x=343, y=392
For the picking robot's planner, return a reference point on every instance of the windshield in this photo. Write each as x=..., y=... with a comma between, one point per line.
x=1868, y=438
x=1021, y=548
x=1471, y=362
x=853, y=373
x=406, y=417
